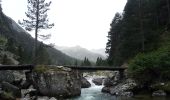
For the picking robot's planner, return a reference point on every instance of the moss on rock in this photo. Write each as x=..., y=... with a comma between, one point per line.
x=46, y=68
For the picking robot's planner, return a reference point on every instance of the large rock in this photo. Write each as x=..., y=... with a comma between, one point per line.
x=123, y=89
x=7, y=76
x=159, y=93
x=98, y=81
x=106, y=89
x=108, y=82
x=8, y=58
x=85, y=83
x=15, y=91
x=56, y=81
x=165, y=86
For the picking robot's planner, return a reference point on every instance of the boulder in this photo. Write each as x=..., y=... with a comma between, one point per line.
x=7, y=87
x=98, y=81
x=123, y=89
x=106, y=89
x=159, y=93
x=8, y=58
x=54, y=81
x=165, y=86
x=108, y=82
x=127, y=94
x=6, y=96
x=7, y=76
x=85, y=83
x=52, y=98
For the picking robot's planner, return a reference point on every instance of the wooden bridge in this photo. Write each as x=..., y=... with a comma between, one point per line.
x=81, y=68
x=16, y=67
x=93, y=68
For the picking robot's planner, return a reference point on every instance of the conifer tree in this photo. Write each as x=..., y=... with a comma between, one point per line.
x=37, y=19
x=0, y=6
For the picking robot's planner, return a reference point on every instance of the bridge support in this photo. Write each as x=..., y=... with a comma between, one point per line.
x=122, y=75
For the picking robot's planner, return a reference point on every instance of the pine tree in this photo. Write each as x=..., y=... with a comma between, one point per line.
x=168, y=7
x=0, y=5
x=86, y=62
x=37, y=19
x=113, y=38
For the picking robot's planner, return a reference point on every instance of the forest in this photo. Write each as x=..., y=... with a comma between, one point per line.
x=140, y=37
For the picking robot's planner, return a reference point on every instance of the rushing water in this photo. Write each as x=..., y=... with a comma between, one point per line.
x=94, y=93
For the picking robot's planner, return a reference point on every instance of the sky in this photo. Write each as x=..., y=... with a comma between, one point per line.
x=77, y=22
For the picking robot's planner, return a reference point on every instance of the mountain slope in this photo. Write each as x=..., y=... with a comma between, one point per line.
x=99, y=51
x=20, y=38
x=80, y=53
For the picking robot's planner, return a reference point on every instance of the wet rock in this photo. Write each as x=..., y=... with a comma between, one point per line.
x=43, y=98
x=15, y=91
x=25, y=84
x=123, y=89
x=159, y=93
x=127, y=94
x=56, y=81
x=13, y=77
x=6, y=96
x=7, y=76
x=108, y=82
x=165, y=86
x=9, y=57
x=85, y=83
x=98, y=81
x=106, y=89
x=52, y=98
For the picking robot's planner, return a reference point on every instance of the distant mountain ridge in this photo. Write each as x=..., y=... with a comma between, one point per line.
x=99, y=51
x=79, y=52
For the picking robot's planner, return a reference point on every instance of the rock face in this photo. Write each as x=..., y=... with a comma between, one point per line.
x=85, y=83
x=123, y=89
x=106, y=89
x=54, y=81
x=15, y=91
x=6, y=76
x=159, y=93
x=98, y=81
x=109, y=82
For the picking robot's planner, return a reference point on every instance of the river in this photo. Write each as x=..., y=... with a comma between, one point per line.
x=94, y=93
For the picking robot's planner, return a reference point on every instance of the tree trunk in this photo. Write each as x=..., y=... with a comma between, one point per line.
x=36, y=34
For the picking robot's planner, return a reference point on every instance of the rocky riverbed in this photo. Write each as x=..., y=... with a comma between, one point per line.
x=57, y=82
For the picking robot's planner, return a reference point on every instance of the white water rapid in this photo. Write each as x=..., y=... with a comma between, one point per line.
x=94, y=93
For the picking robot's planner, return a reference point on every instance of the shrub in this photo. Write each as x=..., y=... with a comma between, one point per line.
x=147, y=68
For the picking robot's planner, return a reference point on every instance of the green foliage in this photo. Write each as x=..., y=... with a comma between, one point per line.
x=37, y=19
x=42, y=55
x=41, y=68
x=151, y=67
x=137, y=30
x=47, y=68
x=100, y=62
